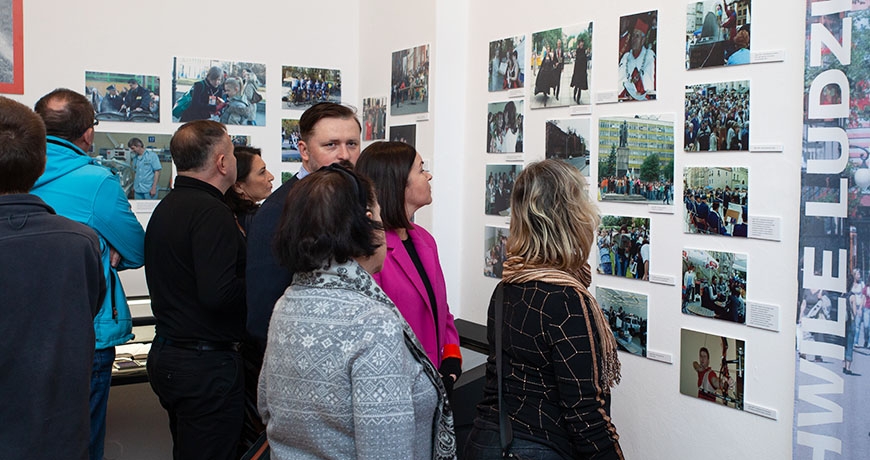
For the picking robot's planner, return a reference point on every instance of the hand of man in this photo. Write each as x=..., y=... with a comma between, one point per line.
x=114, y=257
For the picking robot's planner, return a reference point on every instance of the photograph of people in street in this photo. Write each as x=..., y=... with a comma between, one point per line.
x=499, y=184
x=410, y=81
x=495, y=251
x=404, y=133
x=302, y=87
x=374, y=118
x=233, y=93
x=636, y=159
x=627, y=313
x=124, y=97
x=624, y=246
x=717, y=117
x=712, y=368
x=290, y=140
x=568, y=140
x=717, y=33
x=714, y=284
x=636, y=76
x=507, y=58
x=141, y=161
x=561, y=66
x=716, y=201
x=504, y=127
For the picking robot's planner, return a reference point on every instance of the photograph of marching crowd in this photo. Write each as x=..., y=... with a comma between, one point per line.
x=627, y=314
x=404, y=133
x=717, y=117
x=140, y=161
x=374, y=118
x=624, y=246
x=495, y=251
x=567, y=140
x=636, y=75
x=499, y=184
x=506, y=58
x=124, y=97
x=712, y=368
x=410, y=81
x=717, y=33
x=714, y=284
x=716, y=200
x=636, y=159
x=504, y=127
x=290, y=140
x=233, y=93
x=302, y=87
x=561, y=58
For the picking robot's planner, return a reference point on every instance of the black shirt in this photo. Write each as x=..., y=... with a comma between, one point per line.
x=195, y=265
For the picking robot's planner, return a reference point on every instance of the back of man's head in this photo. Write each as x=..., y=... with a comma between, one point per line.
x=22, y=147
x=324, y=110
x=66, y=113
x=192, y=144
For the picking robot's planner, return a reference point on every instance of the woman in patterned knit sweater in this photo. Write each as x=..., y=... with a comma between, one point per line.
x=559, y=357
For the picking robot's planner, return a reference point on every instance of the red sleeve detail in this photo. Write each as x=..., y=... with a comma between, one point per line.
x=451, y=350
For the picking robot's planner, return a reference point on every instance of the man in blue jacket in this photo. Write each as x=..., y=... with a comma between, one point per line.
x=85, y=192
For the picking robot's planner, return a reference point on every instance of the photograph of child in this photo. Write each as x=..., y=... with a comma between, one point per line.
x=624, y=246
x=302, y=87
x=712, y=368
x=499, y=184
x=636, y=159
x=568, y=140
x=717, y=117
x=507, y=58
x=636, y=78
x=562, y=59
x=714, y=284
x=495, y=252
x=290, y=141
x=716, y=201
x=627, y=313
x=374, y=118
x=717, y=33
x=410, y=81
x=233, y=93
x=504, y=127
x=124, y=97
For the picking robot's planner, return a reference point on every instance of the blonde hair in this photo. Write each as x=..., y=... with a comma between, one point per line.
x=553, y=220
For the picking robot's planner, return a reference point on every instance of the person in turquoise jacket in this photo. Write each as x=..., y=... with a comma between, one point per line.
x=79, y=189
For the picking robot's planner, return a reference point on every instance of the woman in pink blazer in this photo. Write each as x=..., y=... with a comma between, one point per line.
x=412, y=275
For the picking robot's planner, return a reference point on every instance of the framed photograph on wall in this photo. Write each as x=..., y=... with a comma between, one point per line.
x=561, y=66
x=636, y=75
x=11, y=47
x=410, y=81
x=712, y=368
x=302, y=87
x=717, y=33
x=716, y=201
x=140, y=160
x=124, y=97
x=717, y=117
x=714, y=284
x=568, y=140
x=636, y=159
x=627, y=313
x=231, y=92
x=507, y=59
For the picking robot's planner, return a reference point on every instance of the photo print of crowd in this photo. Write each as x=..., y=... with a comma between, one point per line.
x=374, y=118
x=567, y=140
x=717, y=117
x=499, y=184
x=124, y=97
x=636, y=75
x=495, y=251
x=504, y=127
x=302, y=87
x=410, y=81
x=636, y=159
x=561, y=66
x=627, y=313
x=140, y=161
x=717, y=33
x=506, y=61
x=233, y=93
x=290, y=140
x=712, y=368
x=624, y=246
x=714, y=284
x=716, y=201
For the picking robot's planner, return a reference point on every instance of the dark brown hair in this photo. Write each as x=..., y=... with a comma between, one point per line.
x=66, y=113
x=244, y=159
x=387, y=164
x=324, y=110
x=22, y=147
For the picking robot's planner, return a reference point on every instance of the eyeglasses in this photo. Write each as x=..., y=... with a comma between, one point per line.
x=96, y=122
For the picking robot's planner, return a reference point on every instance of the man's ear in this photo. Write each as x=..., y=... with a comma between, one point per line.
x=303, y=150
x=221, y=161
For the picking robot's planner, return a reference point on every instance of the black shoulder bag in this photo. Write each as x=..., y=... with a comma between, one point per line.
x=505, y=432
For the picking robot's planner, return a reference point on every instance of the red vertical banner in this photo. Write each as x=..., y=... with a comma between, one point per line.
x=11, y=47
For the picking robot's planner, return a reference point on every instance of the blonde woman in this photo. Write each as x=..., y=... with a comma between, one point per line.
x=559, y=358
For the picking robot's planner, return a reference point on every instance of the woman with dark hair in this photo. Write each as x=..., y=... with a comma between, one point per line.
x=412, y=274
x=558, y=353
x=206, y=97
x=343, y=375
x=253, y=185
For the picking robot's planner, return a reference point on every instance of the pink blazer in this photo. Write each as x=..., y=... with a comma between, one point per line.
x=402, y=284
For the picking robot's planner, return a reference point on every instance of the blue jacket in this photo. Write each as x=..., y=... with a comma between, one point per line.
x=85, y=192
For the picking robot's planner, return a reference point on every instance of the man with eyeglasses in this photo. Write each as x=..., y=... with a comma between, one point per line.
x=79, y=189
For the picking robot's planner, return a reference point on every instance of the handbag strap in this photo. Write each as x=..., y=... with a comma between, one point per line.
x=505, y=431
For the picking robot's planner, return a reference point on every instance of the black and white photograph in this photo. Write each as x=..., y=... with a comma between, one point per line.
x=562, y=66
x=636, y=75
x=290, y=140
x=374, y=118
x=636, y=159
x=714, y=284
x=409, y=81
x=404, y=133
x=717, y=117
x=627, y=313
x=568, y=140
x=504, y=127
x=507, y=59
x=499, y=184
x=141, y=161
x=495, y=251
x=716, y=201
x=624, y=246
x=124, y=97
x=712, y=368
x=231, y=92
x=11, y=47
x=717, y=33
x=302, y=87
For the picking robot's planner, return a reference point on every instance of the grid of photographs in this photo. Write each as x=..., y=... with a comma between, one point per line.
x=712, y=368
x=124, y=97
x=302, y=87
x=627, y=313
x=714, y=284
x=568, y=140
x=716, y=201
x=717, y=117
x=717, y=33
x=231, y=92
x=636, y=159
x=504, y=127
x=507, y=58
x=624, y=246
x=410, y=81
